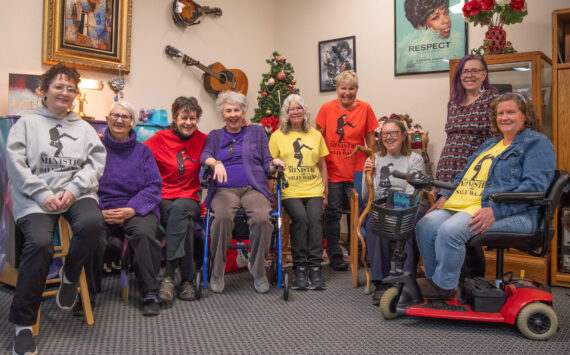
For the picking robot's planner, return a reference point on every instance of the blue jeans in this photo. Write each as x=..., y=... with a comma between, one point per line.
x=338, y=192
x=441, y=237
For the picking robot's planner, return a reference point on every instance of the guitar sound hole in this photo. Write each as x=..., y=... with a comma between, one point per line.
x=227, y=76
x=223, y=78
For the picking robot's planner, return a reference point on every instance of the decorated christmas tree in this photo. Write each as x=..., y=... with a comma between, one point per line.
x=274, y=87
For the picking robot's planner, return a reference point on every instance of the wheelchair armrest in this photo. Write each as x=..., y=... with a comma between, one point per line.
x=517, y=197
x=206, y=174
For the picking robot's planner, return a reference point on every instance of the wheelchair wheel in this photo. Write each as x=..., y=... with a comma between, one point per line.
x=388, y=303
x=285, y=286
x=537, y=321
x=198, y=285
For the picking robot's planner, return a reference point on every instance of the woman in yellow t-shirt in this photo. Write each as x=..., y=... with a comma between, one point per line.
x=303, y=149
x=518, y=158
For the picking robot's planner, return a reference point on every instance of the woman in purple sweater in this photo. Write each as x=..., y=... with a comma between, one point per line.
x=240, y=159
x=129, y=193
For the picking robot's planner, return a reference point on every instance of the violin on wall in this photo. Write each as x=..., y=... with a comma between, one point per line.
x=216, y=77
x=187, y=12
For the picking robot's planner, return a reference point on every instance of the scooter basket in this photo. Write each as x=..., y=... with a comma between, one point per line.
x=391, y=223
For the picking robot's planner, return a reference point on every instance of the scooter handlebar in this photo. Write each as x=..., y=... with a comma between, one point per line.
x=420, y=181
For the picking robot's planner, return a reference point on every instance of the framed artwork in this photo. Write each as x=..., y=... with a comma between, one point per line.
x=335, y=55
x=427, y=35
x=24, y=94
x=91, y=34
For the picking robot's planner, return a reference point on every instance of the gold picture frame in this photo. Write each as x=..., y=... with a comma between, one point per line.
x=90, y=34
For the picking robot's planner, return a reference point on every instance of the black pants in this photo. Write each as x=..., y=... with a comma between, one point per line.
x=86, y=221
x=141, y=233
x=338, y=193
x=179, y=216
x=306, y=230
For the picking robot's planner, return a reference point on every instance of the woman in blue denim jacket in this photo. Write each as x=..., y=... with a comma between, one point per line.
x=518, y=158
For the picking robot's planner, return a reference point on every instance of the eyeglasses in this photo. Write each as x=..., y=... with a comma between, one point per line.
x=466, y=72
x=293, y=109
x=390, y=134
x=117, y=116
x=69, y=89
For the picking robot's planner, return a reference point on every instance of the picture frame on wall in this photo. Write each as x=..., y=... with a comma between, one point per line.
x=427, y=35
x=335, y=55
x=90, y=34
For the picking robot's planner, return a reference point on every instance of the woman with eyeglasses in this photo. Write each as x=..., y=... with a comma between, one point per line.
x=177, y=153
x=129, y=194
x=467, y=128
x=303, y=150
x=55, y=160
x=393, y=153
x=518, y=158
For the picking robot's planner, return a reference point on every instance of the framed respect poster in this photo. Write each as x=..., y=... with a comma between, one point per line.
x=428, y=33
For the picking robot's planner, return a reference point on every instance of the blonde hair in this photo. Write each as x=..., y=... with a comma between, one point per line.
x=347, y=77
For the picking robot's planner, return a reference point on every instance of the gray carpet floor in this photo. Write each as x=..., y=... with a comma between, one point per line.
x=339, y=320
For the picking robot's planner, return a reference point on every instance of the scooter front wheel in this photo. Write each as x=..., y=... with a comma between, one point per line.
x=537, y=321
x=388, y=303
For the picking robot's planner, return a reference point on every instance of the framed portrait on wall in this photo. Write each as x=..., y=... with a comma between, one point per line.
x=428, y=33
x=91, y=34
x=335, y=55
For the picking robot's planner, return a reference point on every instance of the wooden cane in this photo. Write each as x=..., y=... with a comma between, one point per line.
x=368, y=176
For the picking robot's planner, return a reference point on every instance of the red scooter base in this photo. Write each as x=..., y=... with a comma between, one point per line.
x=528, y=304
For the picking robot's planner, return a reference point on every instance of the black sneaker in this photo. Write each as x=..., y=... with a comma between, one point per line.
x=337, y=263
x=66, y=296
x=150, y=308
x=301, y=282
x=24, y=343
x=316, y=279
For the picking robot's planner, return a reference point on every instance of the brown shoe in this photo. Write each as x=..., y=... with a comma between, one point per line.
x=431, y=290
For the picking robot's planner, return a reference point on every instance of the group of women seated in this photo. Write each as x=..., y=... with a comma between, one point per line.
x=116, y=185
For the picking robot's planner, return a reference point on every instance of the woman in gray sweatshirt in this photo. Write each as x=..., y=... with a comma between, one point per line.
x=55, y=160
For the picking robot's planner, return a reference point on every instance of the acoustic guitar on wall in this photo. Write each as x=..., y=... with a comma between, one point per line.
x=216, y=77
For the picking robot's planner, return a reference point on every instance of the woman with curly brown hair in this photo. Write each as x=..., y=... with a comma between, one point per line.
x=518, y=158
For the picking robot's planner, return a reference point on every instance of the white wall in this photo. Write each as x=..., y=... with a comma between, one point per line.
x=243, y=37
x=301, y=24
x=246, y=35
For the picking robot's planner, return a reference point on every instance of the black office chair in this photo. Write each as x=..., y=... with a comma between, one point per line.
x=535, y=244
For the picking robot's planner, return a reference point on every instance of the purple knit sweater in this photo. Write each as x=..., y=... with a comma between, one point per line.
x=131, y=177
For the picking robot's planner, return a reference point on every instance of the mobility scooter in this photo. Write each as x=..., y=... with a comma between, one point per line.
x=523, y=302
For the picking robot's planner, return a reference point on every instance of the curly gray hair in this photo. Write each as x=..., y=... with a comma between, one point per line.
x=232, y=98
x=285, y=124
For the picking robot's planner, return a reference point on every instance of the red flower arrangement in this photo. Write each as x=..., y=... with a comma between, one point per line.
x=494, y=12
x=270, y=124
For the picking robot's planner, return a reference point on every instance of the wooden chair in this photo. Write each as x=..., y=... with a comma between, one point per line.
x=61, y=251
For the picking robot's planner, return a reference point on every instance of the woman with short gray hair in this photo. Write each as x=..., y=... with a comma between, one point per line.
x=240, y=161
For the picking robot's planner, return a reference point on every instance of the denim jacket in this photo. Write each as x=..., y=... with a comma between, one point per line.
x=527, y=164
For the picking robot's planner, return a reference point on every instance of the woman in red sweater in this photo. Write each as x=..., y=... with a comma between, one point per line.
x=177, y=153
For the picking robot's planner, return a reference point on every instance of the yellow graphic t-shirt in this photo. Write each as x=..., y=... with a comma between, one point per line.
x=467, y=196
x=301, y=152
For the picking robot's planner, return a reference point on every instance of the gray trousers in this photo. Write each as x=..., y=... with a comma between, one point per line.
x=225, y=204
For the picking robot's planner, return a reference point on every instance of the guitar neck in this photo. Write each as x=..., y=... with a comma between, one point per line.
x=207, y=70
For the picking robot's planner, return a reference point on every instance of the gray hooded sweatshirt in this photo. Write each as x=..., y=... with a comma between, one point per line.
x=48, y=154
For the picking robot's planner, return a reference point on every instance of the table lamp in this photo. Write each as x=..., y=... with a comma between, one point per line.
x=84, y=85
